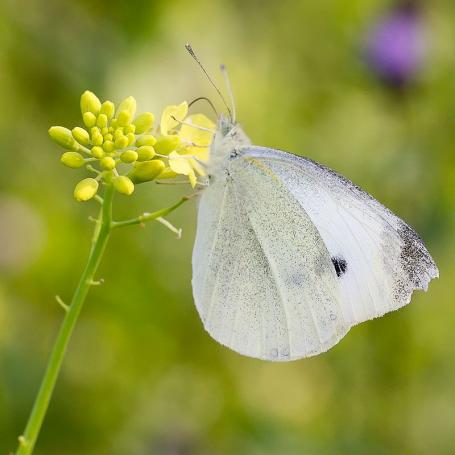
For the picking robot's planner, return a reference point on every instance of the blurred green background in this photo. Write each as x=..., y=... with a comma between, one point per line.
x=141, y=375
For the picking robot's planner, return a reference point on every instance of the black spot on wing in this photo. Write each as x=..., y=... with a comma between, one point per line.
x=340, y=265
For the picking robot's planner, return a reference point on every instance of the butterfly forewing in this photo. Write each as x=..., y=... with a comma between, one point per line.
x=379, y=259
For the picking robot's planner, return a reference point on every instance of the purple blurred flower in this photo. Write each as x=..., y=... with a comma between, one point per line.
x=395, y=48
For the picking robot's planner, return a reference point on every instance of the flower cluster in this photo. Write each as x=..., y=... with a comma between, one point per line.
x=124, y=149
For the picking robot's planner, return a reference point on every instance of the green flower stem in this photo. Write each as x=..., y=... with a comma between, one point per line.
x=101, y=235
x=103, y=229
x=150, y=216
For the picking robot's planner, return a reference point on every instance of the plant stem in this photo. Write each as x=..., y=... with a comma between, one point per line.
x=150, y=216
x=100, y=238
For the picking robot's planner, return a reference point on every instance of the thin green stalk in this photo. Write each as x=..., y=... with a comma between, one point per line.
x=103, y=228
x=150, y=216
x=100, y=238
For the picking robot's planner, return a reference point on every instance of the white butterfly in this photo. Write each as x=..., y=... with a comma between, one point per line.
x=289, y=255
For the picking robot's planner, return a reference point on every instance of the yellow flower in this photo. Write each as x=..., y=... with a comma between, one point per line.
x=190, y=144
x=171, y=117
x=182, y=165
x=197, y=141
x=195, y=135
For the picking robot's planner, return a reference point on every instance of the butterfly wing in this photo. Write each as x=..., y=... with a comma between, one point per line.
x=274, y=275
x=263, y=281
x=380, y=259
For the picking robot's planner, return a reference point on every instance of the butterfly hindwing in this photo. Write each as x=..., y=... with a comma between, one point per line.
x=263, y=280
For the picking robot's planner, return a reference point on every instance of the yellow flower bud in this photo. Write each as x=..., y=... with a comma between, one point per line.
x=63, y=137
x=72, y=159
x=145, y=153
x=128, y=105
x=129, y=156
x=85, y=189
x=131, y=138
x=114, y=123
x=108, y=109
x=101, y=121
x=89, y=119
x=144, y=122
x=121, y=142
x=90, y=103
x=97, y=138
x=107, y=163
x=104, y=130
x=81, y=135
x=167, y=173
x=167, y=144
x=97, y=152
x=108, y=137
x=108, y=146
x=144, y=171
x=123, y=185
x=124, y=118
x=147, y=139
x=129, y=128
x=118, y=132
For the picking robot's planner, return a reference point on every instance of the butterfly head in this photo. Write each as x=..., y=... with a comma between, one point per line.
x=230, y=131
x=228, y=137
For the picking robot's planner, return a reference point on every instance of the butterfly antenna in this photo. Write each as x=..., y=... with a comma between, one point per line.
x=227, y=82
x=203, y=98
x=196, y=59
